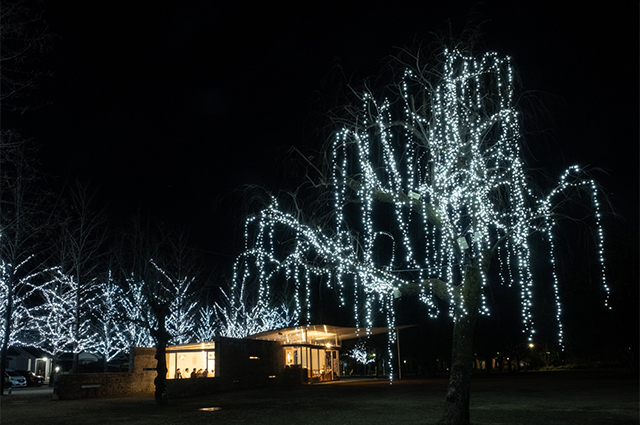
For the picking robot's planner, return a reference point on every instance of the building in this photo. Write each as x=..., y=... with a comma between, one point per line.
x=292, y=356
x=311, y=352
x=29, y=358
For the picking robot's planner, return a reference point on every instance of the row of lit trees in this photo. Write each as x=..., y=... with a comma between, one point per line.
x=69, y=283
x=110, y=313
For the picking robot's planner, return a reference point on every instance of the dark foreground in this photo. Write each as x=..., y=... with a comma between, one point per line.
x=547, y=398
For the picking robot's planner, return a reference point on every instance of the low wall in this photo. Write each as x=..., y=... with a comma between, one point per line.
x=90, y=385
x=139, y=380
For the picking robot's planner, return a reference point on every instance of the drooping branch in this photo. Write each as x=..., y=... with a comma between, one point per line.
x=447, y=293
x=411, y=199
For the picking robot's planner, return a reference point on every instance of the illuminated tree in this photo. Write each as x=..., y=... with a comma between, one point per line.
x=240, y=314
x=427, y=188
x=206, y=328
x=361, y=355
x=23, y=36
x=181, y=322
x=79, y=246
x=23, y=221
x=55, y=318
x=21, y=329
x=160, y=270
x=109, y=338
x=137, y=320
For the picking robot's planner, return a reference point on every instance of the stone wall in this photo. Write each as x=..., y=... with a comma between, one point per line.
x=89, y=385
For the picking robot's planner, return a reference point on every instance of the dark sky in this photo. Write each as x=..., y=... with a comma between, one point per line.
x=174, y=106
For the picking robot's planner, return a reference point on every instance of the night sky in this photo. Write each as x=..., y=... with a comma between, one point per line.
x=173, y=107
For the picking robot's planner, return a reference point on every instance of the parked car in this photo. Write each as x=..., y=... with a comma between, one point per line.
x=16, y=379
x=33, y=380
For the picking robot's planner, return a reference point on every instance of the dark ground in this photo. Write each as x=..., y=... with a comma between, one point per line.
x=548, y=398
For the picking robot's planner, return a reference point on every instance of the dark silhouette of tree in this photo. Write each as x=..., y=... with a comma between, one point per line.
x=23, y=39
x=159, y=265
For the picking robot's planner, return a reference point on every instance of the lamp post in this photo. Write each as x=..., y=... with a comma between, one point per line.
x=399, y=360
x=397, y=294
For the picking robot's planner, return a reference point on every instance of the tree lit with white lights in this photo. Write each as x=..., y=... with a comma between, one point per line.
x=109, y=337
x=429, y=188
x=239, y=315
x=360, y=354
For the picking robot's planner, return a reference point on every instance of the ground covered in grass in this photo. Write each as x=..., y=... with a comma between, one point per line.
x=548, y=398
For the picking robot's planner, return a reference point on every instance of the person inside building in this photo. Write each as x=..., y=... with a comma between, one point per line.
x=178, y=374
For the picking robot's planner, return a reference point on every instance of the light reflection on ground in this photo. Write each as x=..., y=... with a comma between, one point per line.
x=210, y=409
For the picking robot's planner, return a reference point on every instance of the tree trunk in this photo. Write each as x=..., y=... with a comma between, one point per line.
x=162, y=338
x=161, y=379
x=456, y=409
x=7, y=330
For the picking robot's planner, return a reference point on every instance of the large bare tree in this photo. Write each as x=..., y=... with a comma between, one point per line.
x=81, y=236
x=161, y=271
x=426, y=188
x=23, y=221
x=23, y=38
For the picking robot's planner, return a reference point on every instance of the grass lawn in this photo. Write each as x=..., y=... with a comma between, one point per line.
x=547, y=398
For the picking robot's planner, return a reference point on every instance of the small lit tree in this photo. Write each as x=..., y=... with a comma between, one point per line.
x=21, y=330
x=361, y=355
x=428, y=187
x=109, y=338
x=181, y=323
x=240, y=315
x=137, y=321
x=55, y=318
x=206, y=327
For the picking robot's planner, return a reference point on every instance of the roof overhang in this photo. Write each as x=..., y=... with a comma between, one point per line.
x=317, y=334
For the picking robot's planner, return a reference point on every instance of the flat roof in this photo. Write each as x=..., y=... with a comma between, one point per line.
x=192, y=347
x=319, y=333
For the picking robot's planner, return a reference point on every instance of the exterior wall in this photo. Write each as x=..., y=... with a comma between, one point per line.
x=89, y=385
x=240, y=363
x=249, y=360
x=18, y=363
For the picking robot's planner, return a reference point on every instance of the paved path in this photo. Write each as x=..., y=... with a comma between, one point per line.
x=43, y=390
